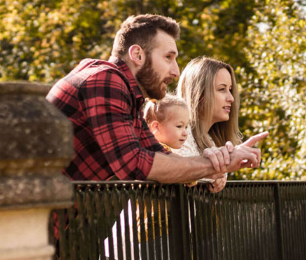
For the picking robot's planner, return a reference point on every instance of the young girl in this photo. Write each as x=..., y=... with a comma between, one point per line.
x=168, y=120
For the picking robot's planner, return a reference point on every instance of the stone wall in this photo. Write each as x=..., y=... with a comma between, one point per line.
x=36, y=142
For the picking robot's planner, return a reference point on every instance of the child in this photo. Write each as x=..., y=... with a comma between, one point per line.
x=168, y=120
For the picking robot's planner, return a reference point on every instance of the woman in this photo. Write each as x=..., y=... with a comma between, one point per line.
x=209, y=88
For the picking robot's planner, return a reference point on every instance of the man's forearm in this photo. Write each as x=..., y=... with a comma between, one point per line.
x=176, y=169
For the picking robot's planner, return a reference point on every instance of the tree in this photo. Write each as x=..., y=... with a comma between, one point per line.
x=43, y=40
x=274, y=95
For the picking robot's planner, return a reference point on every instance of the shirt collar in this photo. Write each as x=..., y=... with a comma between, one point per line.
x=127, y=72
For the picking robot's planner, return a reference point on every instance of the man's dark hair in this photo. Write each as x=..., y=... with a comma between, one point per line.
x=141, y=30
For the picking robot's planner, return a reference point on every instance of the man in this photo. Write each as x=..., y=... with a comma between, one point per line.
x=103, y=99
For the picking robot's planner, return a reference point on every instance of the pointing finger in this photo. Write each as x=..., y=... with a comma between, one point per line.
x=254, y=139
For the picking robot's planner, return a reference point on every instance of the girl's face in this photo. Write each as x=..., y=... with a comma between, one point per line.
x=223, y=96
x=173, y=132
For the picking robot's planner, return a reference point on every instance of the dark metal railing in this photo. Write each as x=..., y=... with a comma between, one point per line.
x=146, y=220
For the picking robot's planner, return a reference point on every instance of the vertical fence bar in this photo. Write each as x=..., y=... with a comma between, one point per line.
x=303, y=214
x=90, y=217
x=62, y=234
x=143, y=248
x=190, y=221
x=196, y=216
x=81, y=224
x=248, y=231
x=295, y=217
x=110, y=220
x=265, y=224
x=162, y=219
x=125, y=207
x=212, y=224
x=272, y=210
x=287, y=219
x=72, y=232
x=278, y=218
x=185, y=209
x=150, y=212
x=201, y=216
x=51, y=234
x=177, y=225
x=220, y=226
x=302, y=219
x=226, y=223
x=255, y=194
x=133, y=198
x=229, y=211
x=155, y=224
x=243, y=210
x=148, y=225
x=296, y=204
x=207, y=224
x=100, y=222
x=168, y=210
x=115, y=197
x=237, y=227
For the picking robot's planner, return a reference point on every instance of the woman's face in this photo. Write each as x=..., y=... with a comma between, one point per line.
x=223, y=96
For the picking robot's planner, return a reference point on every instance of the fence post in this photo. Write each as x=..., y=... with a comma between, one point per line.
x=35, y=144
x=278, y=218
x=179, y=223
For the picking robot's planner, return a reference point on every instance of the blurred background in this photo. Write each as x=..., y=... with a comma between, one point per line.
x=264, y=41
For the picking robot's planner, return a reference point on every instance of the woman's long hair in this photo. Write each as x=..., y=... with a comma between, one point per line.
x=196, y=86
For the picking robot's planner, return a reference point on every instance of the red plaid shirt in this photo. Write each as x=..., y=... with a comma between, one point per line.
x=111, y=137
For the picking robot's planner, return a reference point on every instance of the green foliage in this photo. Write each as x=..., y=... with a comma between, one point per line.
x=264, y=40
x=43, y=40
x=274, y=96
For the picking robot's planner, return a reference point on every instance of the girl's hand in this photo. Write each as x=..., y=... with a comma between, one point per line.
x=191, y=184
x=218, y=185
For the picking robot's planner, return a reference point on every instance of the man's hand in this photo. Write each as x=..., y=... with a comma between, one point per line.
x=244, y=156
x=219, y=156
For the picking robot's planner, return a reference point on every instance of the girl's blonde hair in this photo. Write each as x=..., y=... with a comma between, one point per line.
x=196, y=86
x=159, y=110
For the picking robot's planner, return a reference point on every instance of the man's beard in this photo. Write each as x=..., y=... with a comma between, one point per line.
x=150, y=80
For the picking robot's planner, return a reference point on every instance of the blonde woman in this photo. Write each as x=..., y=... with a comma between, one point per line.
x=209, y=88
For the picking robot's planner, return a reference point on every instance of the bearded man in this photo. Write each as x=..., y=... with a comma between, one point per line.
x=104, y=99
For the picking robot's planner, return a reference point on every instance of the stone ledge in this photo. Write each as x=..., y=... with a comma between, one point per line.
x=40, y=253
x=27, y=191
x=21, y=87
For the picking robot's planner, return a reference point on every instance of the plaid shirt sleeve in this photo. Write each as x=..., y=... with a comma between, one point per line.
x=107, y=103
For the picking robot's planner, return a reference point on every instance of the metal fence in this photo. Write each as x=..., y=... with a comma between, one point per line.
x=146, y=220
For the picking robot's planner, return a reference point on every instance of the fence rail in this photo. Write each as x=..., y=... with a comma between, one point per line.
x=146, y=220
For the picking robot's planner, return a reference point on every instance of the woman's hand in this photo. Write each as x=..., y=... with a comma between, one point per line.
x=245, y=156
